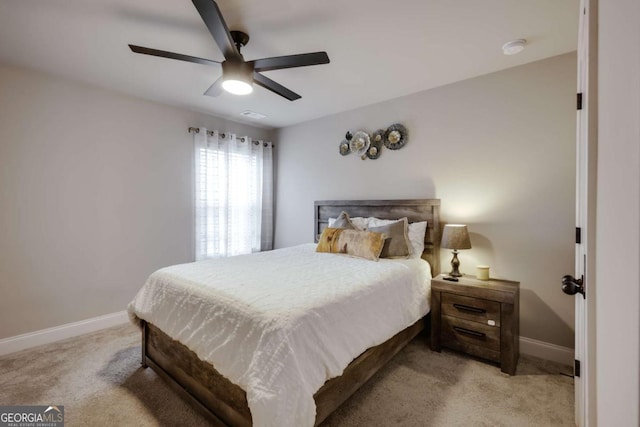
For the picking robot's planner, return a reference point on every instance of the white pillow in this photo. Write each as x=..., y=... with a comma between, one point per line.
x=416, y=233
x=377, y=222
x=359, y=222
x=417, y=230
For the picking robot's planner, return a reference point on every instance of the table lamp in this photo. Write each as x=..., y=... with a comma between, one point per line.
x=455, y=236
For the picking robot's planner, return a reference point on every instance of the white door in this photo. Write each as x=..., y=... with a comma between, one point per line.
x=584, y=199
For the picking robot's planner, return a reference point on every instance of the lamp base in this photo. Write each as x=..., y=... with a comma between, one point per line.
x=455, y=264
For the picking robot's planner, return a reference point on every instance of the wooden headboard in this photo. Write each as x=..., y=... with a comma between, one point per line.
x=414, y=209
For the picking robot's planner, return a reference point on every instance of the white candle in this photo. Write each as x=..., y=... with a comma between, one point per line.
x=482, y=272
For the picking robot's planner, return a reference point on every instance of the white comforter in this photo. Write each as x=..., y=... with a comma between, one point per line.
x=281, y=323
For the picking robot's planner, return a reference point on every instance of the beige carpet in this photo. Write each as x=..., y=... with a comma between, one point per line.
x=98, y=379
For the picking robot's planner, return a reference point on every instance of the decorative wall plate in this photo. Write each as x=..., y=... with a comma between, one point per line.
x=360, y=142
x=375, y=148
x=395, y=137
x=344, y=147
x=378, y=136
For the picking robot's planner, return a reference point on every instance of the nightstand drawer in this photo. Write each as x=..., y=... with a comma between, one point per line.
x=475, y=309
x=466, y=333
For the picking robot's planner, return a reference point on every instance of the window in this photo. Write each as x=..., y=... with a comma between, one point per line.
x=234, y=195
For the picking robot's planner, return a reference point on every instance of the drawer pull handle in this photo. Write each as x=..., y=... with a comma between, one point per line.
x=471, y=309
x=469, y=332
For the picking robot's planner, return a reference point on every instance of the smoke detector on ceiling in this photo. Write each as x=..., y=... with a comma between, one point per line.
x=514, y=46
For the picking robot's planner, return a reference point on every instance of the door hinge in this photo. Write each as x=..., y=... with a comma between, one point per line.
x=578, y=235
x=579, y=101
x=576, y=368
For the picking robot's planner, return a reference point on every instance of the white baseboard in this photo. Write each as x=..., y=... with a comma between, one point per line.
x=547, y=351
x=57, y=333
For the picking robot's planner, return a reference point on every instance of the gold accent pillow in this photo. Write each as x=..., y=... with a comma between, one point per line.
x=362, y=244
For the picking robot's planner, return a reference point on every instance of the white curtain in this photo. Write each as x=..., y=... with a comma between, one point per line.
x=233, y=194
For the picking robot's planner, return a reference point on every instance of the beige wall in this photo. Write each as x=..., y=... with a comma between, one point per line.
x=95, y=194
x=499, y=150
x=618, y=216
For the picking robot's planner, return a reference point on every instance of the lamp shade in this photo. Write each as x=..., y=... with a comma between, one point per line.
x=455, y=236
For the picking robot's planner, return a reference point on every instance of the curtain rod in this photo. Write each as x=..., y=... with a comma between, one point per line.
x=223, y=135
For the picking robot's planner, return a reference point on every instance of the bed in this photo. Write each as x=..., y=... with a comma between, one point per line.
x=226, y=403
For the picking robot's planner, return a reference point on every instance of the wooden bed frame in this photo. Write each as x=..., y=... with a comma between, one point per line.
x=225, y=403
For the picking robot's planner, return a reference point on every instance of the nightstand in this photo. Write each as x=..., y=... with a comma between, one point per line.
x=477, y=317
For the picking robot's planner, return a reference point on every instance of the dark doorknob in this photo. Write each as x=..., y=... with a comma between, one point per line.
x=572, y=286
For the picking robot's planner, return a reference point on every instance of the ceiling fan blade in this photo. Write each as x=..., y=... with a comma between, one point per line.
x=215, y=89
x=290, y=61
x=171, y=55
x=212, y=17
x=269, y=84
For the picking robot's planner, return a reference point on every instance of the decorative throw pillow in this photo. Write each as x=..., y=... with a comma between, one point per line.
x=397, y=244
x=343, y=221
x=363, y=244
x=416, y=232
x=358, y=222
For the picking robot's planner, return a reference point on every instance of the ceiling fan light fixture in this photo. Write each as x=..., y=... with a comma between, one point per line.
x=237, y=87
x=237, y=77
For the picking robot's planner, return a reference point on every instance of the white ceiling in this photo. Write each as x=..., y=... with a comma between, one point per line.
x=379, y=49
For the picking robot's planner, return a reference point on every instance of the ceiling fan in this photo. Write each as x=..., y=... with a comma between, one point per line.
x=238, y=75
